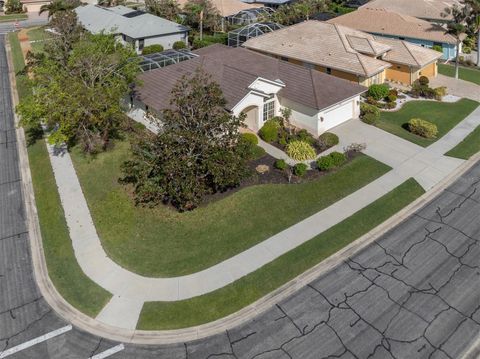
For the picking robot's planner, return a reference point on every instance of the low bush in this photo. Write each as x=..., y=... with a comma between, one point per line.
x=269, y=131
x=327, y=140
x=390, y=105
x=300, y=169
x=419, y=90
x=370, y=118
x=378, y=91
x=178, y=45
x=391, y=98
x=325, y=163
x=305, y=136
x=371, y=101
x=355, y=147
x=152, y=49
x=300, y=151
x=280, y=165
x=250, y=138
x=369, y=114
x=467, y=50
x=338, y=158
x=422, y=128
x=423, y=80
x=440, y=92
x=437, y=48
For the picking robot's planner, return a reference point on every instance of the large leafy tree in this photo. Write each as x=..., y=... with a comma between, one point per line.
x=79, y=101
x=299, y=11
x=167, y=9
x=197, y=152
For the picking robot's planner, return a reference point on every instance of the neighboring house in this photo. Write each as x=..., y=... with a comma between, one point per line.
x=347, y=53
x=404, y=27
x=258, y=86
x=134, y=27
x=33, y=5
x=429, y=10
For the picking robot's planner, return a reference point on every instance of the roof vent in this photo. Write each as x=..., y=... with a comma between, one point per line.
x=134, y=13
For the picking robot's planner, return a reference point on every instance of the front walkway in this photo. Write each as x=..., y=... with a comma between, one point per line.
x=458, y=87
x=131, y=290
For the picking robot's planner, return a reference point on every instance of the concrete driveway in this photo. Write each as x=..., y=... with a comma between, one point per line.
x=458, y=87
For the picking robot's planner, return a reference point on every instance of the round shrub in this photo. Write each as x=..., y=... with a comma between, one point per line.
x=305, y=136
x=440, y=92
x=423, y=80
x=327, y=140
x=269, y=131
x=250, y=138
x=152, y=49
x=300, y=151
x=300, y=169
x=178, y=45
x=325, y=163
x=393, y=92
x=467, y=50
x=378, y=91
x=280, y=165
x=338, y=158
x=366, y=108
x=391, y=98
x=422, y=128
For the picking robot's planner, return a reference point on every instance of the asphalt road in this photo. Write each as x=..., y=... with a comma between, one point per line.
x=415, y=293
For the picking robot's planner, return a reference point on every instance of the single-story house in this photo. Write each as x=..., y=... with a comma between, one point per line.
x=386, y=23
x=347, y=53
x=429, y=10
x=134, y=27
x=258, y=86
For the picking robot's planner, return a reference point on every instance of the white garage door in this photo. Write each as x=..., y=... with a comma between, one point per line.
x=338, y=115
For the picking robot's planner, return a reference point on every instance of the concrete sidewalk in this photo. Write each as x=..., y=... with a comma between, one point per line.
x=131, y=290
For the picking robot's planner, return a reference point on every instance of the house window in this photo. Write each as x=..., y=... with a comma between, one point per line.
x=329, y=71
x=268, y=110
x=141, y=44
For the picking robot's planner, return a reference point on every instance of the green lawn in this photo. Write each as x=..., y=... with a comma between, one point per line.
x=222, y=302
x=162, y=242
x=63, y=269
x=13, y=17
x=468, y=147
x=444, y=115
x=464, y=73
x=18, y=65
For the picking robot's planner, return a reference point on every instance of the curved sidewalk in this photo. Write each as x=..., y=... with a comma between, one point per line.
x=131, y=290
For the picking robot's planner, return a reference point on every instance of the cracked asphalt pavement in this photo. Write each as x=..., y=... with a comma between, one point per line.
x=414, y=293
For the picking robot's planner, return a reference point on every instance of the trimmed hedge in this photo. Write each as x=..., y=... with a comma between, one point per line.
x=327, y=140
x=152, y=49
x=300, y=169
x=269, y=131
x=300, y=151
x=178, y=45
x=331, y=161
x=422, y=128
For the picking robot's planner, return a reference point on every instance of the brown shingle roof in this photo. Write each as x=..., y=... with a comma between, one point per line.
x=323, y=44
x=234, y=69
x=384, y=22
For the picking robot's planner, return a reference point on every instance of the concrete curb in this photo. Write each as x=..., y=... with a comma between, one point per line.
x=83, y=322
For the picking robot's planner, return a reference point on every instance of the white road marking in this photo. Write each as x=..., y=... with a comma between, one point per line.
x=108, y=352
x=35, y=341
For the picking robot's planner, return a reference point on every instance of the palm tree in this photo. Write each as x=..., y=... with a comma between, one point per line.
x=57, y=6
x=457, y=27
x=109, y=3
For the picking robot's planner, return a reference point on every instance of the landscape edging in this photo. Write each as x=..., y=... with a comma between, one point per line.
x=88, y=324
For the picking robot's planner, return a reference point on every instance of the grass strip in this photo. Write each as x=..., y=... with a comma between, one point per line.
x=464, y=73
x=468, y=147
x=225, y=301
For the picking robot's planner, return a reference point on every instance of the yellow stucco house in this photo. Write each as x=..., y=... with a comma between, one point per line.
x=347, y=53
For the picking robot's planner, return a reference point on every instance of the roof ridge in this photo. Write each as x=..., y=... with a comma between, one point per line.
x=410, y=51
